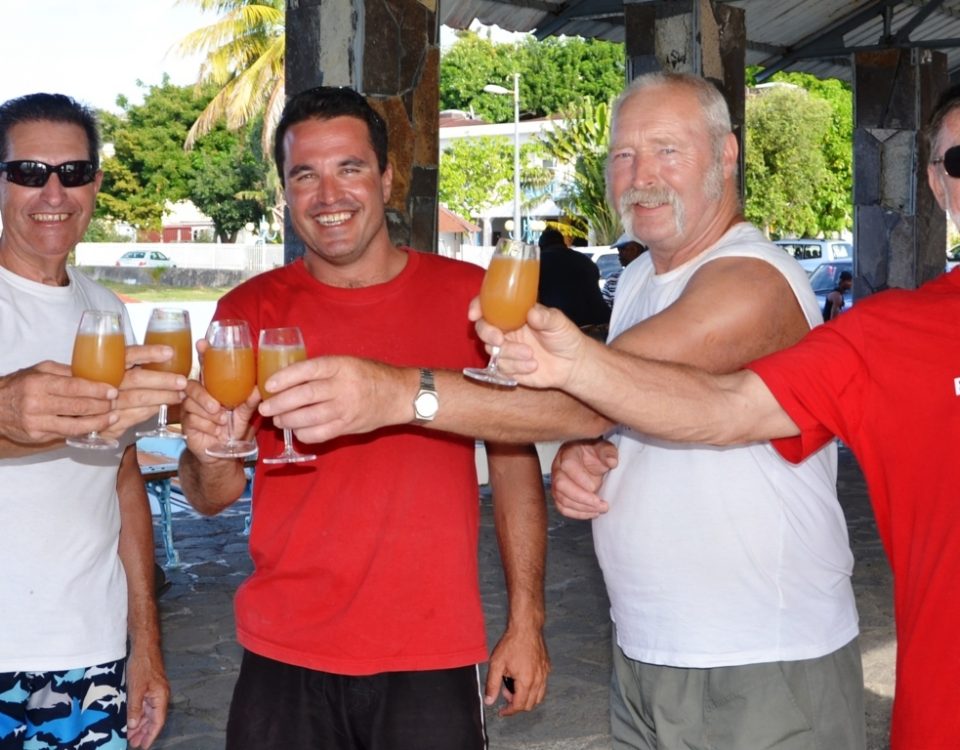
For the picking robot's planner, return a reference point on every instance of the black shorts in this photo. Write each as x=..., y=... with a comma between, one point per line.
x=277, y=706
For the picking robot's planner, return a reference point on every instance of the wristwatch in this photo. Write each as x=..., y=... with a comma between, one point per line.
x=426, y=403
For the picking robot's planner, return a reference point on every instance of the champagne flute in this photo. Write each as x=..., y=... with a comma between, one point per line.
x=508, y=292
x=171, y=327
x=229, y=375
x=99, y=353
x=280, y=347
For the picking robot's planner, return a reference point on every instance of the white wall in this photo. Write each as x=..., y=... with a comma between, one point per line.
x=229, y=257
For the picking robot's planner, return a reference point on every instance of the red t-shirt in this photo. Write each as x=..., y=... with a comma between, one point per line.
x=366, y=559
x=885, y=378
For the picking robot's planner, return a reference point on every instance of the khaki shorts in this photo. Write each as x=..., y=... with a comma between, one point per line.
x=810, y=704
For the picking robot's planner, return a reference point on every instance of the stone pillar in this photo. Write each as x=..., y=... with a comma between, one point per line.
x=691, y=36
x=899, y=231
x=389, y=51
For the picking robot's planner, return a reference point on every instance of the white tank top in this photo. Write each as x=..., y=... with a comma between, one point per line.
x=721, y=556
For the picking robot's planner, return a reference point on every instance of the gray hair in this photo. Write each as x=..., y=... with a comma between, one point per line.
x=716, y=113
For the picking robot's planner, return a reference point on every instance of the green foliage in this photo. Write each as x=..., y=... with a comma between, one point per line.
x=104, y=230
x=223, y=168
x=798, y=156
x=582, y=141
x=554, y=74
x=150, y=166
x=477, y=173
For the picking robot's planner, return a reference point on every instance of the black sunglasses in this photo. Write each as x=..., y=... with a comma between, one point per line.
x=36, y=173
x=950, y=161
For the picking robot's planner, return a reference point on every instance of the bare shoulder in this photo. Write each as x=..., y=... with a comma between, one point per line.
x=732, y=311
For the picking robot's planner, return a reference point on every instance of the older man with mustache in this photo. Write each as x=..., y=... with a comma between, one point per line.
x=728, y=570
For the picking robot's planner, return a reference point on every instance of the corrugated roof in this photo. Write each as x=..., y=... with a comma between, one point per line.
x=813, y=36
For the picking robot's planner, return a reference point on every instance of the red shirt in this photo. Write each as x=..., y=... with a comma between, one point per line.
x=885, y=378
x=366, y=559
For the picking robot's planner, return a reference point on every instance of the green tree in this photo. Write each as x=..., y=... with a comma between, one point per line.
x=784, y=161
x=150, y=167
x=582, y=141
x=477, y=173
x=554, y=74
x=820, y=198
x=245, y=51
x=224, y=169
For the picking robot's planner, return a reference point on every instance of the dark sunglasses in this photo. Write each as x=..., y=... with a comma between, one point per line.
x=950, y=161
x=36, y=173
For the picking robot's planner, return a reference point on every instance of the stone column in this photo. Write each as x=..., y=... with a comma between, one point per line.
x=389, y=51
x=899, y=231
x=691, y=36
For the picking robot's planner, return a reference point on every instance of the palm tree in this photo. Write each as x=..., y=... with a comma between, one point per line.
x=245, y=50
x=582, y=142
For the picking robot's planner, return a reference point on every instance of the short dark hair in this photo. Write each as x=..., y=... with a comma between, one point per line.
x=43, y=107
x=846, y=276
x=550, y=237
x=325, y=103
x=948, y=102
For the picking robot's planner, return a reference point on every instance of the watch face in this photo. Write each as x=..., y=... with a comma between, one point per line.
x=426, y=405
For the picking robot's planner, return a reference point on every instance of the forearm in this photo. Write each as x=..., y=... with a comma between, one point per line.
x=677, y=402
x=136, y=550
x=520, y=520
x=515, y=415
x=211, y=487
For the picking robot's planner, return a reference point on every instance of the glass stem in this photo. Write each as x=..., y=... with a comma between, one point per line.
x=162, y=417
x=230, y=438
x=494, y=359
x=287, y=440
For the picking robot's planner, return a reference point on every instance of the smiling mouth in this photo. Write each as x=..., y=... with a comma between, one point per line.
x=48, y=218
x=332, y=220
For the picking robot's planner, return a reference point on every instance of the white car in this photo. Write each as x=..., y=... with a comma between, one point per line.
x=146, y=259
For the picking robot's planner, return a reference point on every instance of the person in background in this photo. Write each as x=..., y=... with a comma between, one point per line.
x=629, y=250
x=76, y=536
x=362, y=623
x=570, y=281
x=834, y=303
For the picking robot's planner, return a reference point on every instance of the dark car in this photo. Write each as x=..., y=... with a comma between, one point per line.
x=825, y=279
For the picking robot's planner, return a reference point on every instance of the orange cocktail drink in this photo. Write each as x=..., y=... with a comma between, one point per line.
x=99, y=357
x=229, y=375
x=509, y=290
x=179, y=339
x=271, y=359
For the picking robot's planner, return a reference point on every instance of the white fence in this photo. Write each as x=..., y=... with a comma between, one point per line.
x=255, y=257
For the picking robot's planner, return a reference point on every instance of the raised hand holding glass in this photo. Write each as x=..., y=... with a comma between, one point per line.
x=508, y=292
x=229, y=375
x=171, y=327
x=99, y=354
x=280, y=347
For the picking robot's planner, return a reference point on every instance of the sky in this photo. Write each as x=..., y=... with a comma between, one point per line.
x=97, y=49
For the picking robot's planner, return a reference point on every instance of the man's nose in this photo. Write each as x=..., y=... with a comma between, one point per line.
x=53, y=192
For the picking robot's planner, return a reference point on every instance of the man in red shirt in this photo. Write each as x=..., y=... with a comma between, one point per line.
x=362, y=623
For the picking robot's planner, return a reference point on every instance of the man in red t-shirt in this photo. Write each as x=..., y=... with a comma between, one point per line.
x=362, y=624
x=891, y=393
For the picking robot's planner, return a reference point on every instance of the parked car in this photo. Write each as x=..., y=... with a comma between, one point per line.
x=810, y=253
x=146, y=259
x=825, y=279
x=607, y=260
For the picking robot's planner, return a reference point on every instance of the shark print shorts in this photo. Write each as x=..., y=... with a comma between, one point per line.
x=78, y=709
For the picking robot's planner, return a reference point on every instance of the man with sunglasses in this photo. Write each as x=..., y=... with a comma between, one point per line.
x=891, y=393
x=76, y=537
